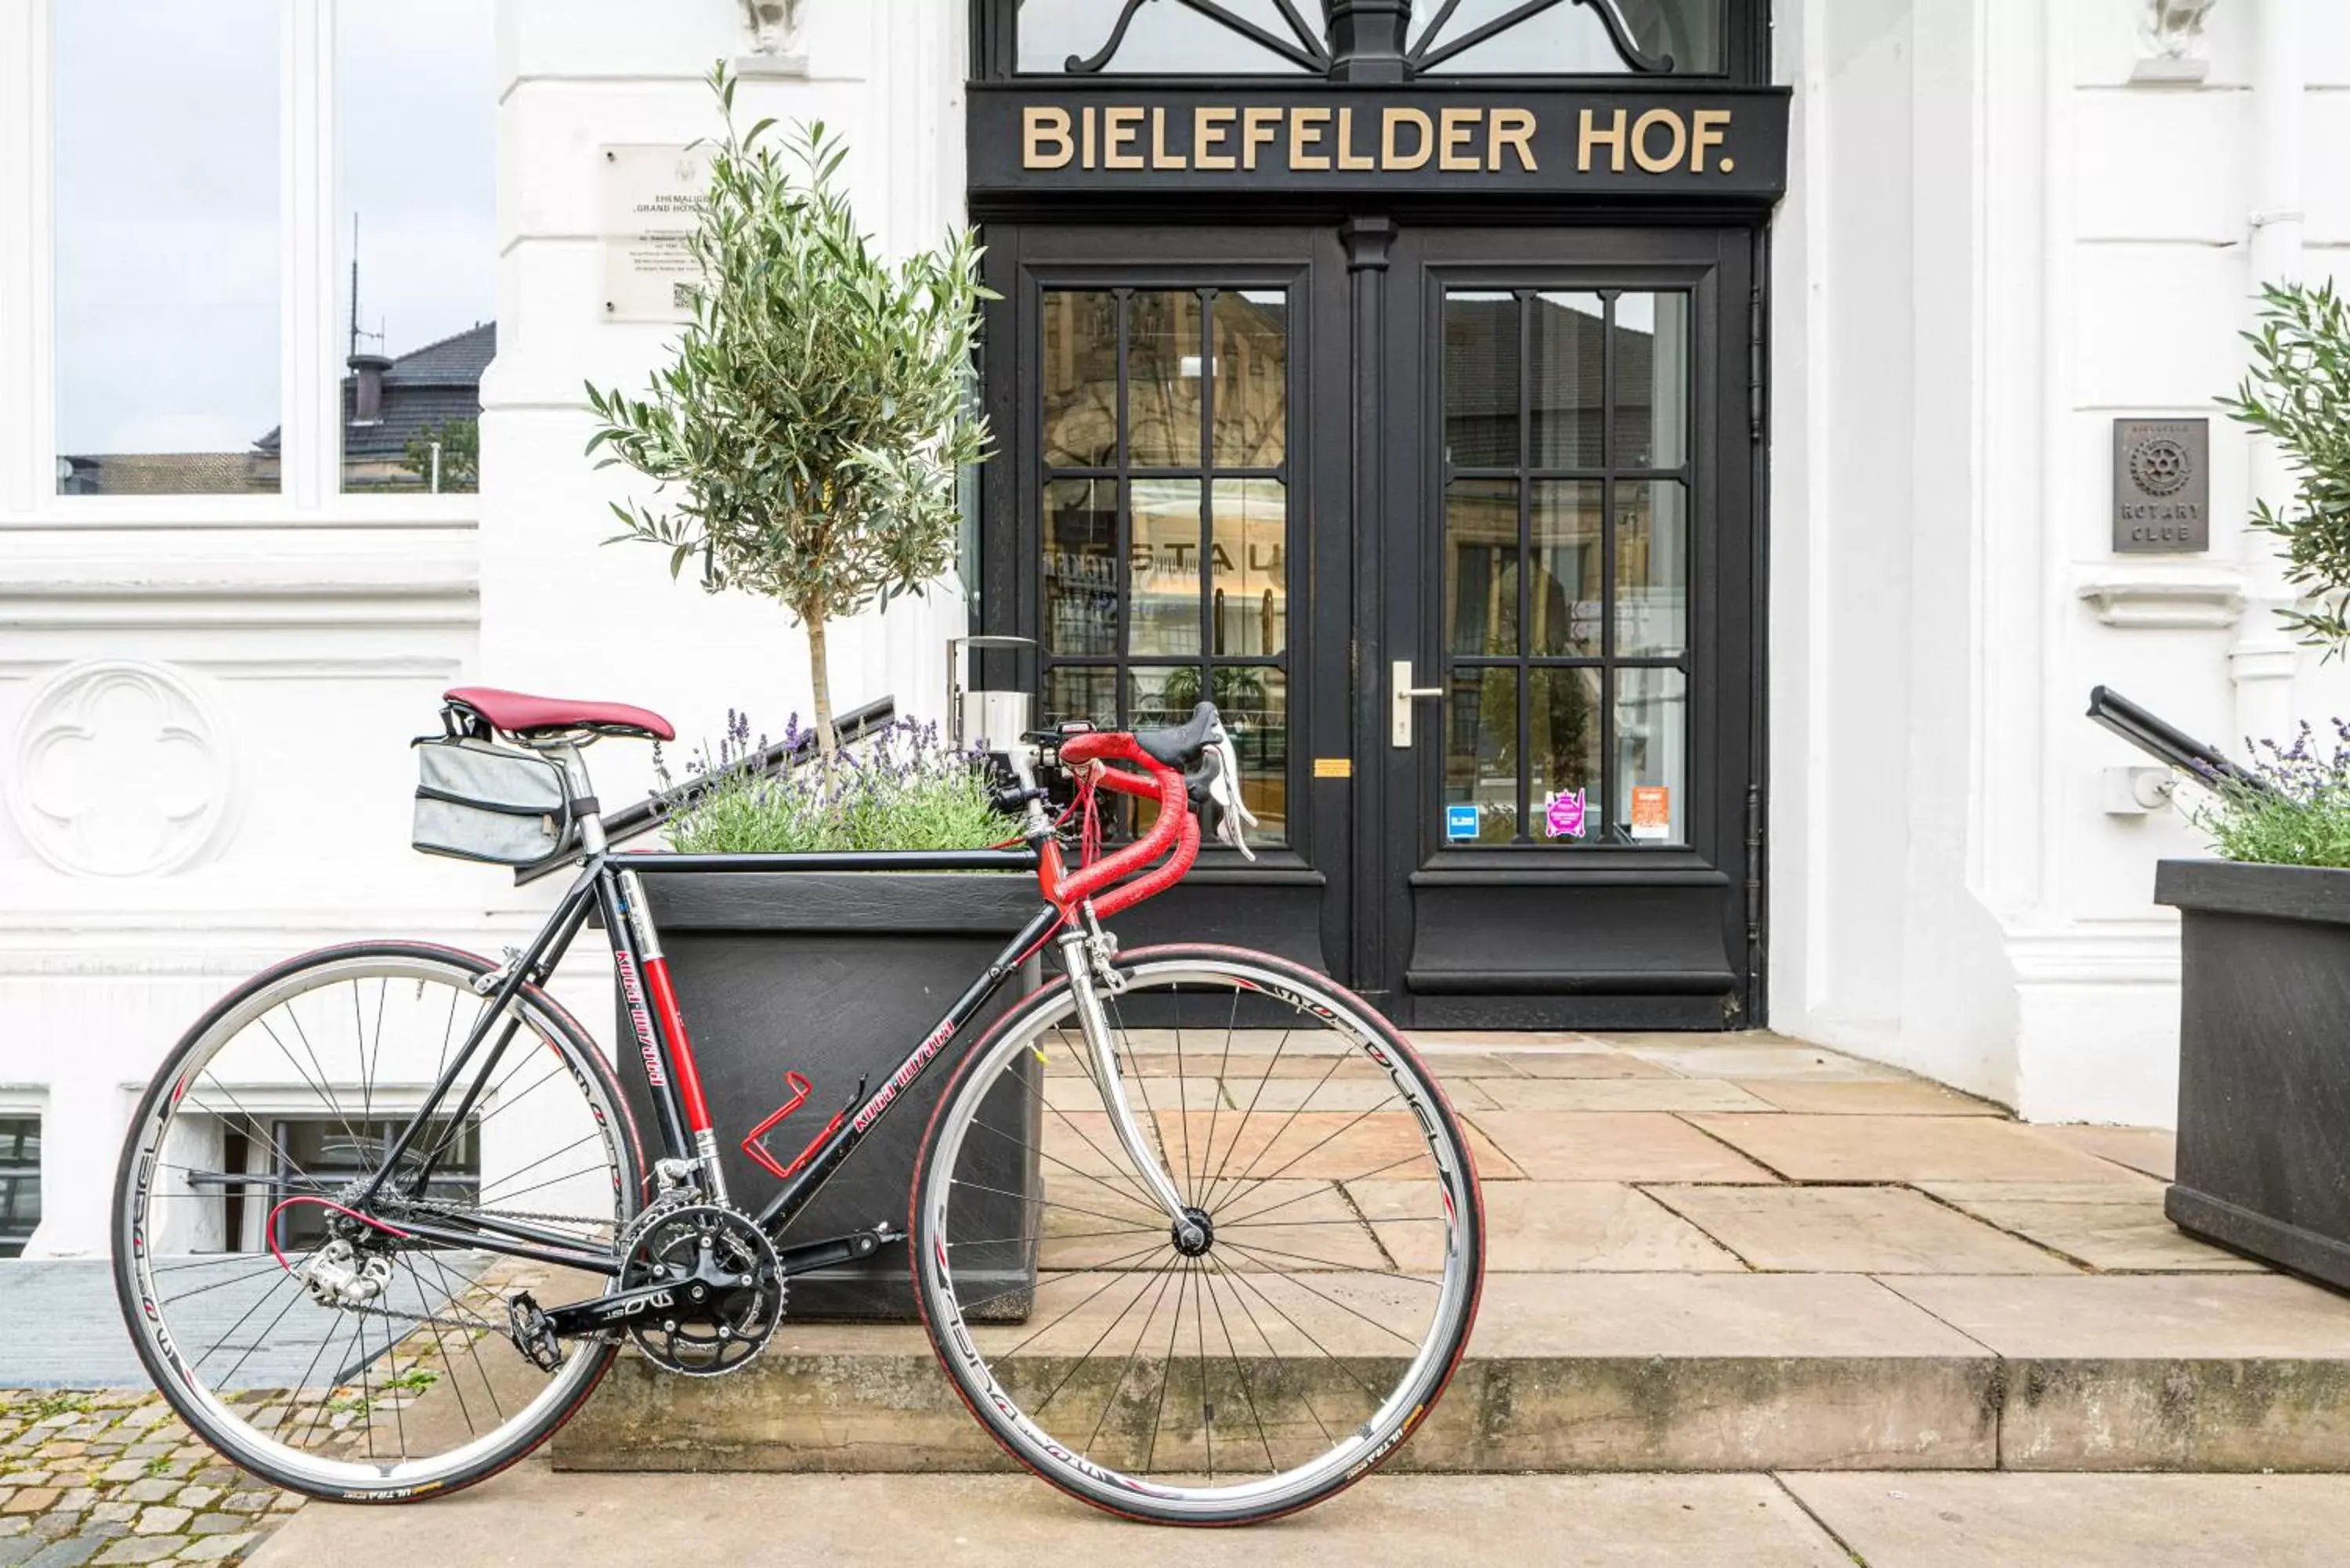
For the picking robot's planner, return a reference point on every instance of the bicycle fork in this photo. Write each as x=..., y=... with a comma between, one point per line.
x=1086, y=955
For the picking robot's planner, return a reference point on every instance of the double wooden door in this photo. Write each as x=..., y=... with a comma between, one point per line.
x=1458, y=527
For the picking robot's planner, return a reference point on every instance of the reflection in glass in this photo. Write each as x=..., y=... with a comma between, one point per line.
x=1651, y=771
x=1563, y=744
x=1252, y=413
x=167, y=259
x=416, y=173
x=1481, y=751
x=1652, y=378
x=1481, y=554
x=1251, y=613
x=1081, y=565
x=1162, y=391
x=1569, y=377
x=1651, y=567
x=1565, y=523
x=1080, y=692
x=1164, y=567
x=1481, y=380
x=1173, y=40
x=1571, y=40
x=1080, y=377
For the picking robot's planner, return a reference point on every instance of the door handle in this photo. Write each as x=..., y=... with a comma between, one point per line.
x=1399, y=702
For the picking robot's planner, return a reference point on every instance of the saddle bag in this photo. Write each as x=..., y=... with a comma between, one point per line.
x=477, y=801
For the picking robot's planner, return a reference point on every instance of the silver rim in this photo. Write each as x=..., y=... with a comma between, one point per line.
x=427, y=1390
x=1309, y=1337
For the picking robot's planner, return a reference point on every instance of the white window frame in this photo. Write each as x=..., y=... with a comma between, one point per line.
x=17, y=1100
x=310, y=336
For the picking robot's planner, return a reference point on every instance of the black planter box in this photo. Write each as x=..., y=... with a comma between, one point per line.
x=836, y=976
x=2264, y=1061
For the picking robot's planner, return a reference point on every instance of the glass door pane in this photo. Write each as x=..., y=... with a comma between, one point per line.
x=1164, y=425
x=1566, y=559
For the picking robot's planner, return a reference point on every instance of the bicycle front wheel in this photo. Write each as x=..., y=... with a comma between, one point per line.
x=329, y=1349
x=1281, y=1341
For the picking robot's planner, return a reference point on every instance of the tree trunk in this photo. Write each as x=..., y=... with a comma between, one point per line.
x=820, y=678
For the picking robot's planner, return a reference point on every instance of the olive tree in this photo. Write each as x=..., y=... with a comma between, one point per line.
x=2298, y=393
x=806, y=435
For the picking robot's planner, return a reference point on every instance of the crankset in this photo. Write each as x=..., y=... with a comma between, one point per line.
x=701, y=1289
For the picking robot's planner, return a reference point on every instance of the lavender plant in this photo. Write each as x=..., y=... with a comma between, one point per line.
x=2302, y=818
x=902, y=788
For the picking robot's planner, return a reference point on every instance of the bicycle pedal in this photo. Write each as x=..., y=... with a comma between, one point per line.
x=532, y=1332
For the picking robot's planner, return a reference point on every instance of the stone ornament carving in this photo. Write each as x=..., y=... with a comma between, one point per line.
x=2170, y=40
x=777, y=26
x=122, y=769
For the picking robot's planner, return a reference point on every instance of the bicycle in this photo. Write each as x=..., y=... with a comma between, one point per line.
x=462, y=1233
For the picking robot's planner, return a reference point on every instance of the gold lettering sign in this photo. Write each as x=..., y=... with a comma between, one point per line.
x=1313, y=138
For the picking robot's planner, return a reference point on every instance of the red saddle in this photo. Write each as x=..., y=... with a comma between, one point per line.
x=518, y=713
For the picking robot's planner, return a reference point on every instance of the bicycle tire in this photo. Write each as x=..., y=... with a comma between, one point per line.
x=960, y=1336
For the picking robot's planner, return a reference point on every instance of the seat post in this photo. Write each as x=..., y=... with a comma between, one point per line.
x=583, y=794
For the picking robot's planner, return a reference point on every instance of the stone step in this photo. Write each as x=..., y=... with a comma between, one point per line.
x=1656, y=1372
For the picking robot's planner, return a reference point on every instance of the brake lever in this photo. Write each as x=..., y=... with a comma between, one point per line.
x=1233, y=818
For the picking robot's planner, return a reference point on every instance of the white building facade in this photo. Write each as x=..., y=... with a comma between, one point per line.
x=243, y=545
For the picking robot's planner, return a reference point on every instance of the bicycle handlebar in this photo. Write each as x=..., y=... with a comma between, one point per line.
x=1176, y=829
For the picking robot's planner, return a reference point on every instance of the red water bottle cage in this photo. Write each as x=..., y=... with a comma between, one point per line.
x=1175, y=829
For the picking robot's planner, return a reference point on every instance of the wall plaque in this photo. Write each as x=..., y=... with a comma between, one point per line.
x=652, y=200
x=2162, y=486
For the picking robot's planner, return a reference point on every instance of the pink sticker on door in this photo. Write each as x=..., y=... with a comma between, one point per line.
x=1563, y=814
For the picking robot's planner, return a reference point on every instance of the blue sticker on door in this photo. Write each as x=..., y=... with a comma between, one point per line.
x=1460, y=822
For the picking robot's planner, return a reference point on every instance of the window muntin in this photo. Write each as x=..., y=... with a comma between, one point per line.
x=416, y=190
x=1570, y=38
x=1567, y=545
x=307, y=1153
x=1165, y=37
x=1165, y=575
x=168, y=304
x=20, y=1182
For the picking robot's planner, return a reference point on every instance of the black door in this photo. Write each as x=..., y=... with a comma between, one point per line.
x=1299, y=468
x=1565, y=651
x=1170, y=405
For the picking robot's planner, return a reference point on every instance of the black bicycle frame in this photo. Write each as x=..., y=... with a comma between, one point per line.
x=604, y=887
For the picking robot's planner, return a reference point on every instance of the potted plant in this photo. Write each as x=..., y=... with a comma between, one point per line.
x=805, y=439
x=2264, y=1018
x=834, y=975
x=806, y=436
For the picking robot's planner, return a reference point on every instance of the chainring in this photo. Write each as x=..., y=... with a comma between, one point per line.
x=729, y=1287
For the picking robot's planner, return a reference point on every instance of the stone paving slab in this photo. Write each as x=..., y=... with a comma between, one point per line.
x=1588, y=1094
x=1612, y=1146
x=2114, y=1228
x=1899, y=1097
x=1551, y=1227
x=1852, y=1229
x=534, y=1517
x=1902, y=1148
x=2154, y=1150
x=2139, y=1316
x=1956, y=1520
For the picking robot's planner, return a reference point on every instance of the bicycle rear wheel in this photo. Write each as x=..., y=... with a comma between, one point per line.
x=236, y=1179
x=1273, y=1350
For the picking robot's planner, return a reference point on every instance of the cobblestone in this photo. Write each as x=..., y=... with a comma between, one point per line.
x=99, y=1477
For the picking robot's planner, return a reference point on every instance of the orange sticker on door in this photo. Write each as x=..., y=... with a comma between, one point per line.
x=1652, y=811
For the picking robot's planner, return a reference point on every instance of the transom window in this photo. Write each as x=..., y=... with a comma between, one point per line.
x=1165, y=433
x=1491, y=37
x=1567, y=594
